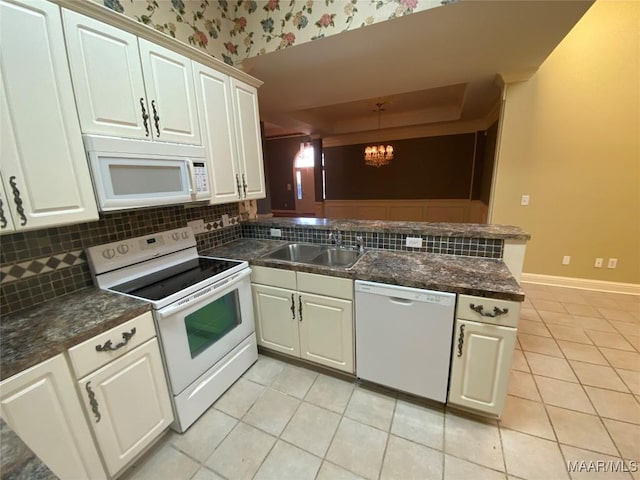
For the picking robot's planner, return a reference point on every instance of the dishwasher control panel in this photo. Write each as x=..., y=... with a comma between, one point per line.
x=406, y=293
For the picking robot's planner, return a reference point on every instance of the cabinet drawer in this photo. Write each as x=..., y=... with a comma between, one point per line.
x=488, y=310
x=275, y=277
x=85, y=358
x=324, y=285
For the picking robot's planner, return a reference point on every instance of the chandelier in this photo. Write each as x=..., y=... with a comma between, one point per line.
x=378, y=155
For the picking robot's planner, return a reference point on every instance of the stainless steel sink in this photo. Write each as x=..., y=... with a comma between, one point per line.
x=336, y=257
x=295, y=252
x=325, y=255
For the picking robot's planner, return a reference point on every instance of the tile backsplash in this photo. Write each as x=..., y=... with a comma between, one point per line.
x=43, y=264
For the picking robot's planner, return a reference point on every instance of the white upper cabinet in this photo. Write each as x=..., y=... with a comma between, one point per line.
x=168, y=80
x=228, y=112
x=129, y=87
x=107, y=76
x=213, y=94
x=44, y=170
x=249, y=140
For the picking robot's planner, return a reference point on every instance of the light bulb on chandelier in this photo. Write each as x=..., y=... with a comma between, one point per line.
x=377, y=156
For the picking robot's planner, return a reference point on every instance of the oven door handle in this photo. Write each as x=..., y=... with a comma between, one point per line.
x=206, y=293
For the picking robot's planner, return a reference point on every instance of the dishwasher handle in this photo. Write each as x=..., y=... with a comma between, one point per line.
x=400, y=301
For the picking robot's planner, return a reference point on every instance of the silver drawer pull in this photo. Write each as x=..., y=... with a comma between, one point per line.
x=496, y=311
x=108, y=346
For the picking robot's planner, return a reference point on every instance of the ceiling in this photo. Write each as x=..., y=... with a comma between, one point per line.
x=431, y=67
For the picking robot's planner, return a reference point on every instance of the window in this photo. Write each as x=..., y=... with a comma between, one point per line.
x=305, y=157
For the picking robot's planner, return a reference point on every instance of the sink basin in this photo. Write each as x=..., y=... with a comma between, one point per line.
x=325, y=255
x=336, y=257
x=296, y=252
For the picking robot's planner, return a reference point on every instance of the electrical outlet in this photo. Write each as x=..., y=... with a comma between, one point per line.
x=612, y=263
x=524, y=200
x=598, y=263
x=566, y=260
x=197, y=226
x=414, y=242
x=225, y=220
x=275, y=232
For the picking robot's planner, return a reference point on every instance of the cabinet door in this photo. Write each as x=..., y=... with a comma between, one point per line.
x=168, y=79
x=6, y=220
x=215, y=111
x=107, y=78
x=42, y=158
x=326, y=331
x=480, y=365
x=127, y=403
x=276, y=319
x=41, y=406
x=249, y=140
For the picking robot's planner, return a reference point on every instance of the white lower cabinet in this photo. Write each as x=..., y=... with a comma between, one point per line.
x=41, y=406
x=482, y=353
x=306, y=320
x=121, y=380
x=118, y=376
x=128, y=404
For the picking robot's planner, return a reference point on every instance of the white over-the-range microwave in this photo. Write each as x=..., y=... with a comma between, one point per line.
x=131, y=173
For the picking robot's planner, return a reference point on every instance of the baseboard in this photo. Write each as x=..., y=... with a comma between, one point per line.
x=582, y=283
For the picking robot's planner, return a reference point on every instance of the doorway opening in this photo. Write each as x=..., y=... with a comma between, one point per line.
x=304, y=193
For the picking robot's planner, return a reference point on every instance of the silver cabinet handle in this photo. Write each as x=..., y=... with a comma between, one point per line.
x=293, y=308
x=93, y=402
x=145, y=117
x=108, y=346
x=238, y=185
x=244, y=185
x=496, y=311
x=17, y=200
x=460, y=340
x=300, y=307
x=156, y=118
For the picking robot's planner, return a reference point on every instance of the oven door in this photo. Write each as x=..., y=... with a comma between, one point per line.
x=200, y=329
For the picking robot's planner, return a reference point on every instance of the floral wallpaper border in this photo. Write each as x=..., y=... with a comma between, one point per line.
x=233, y=30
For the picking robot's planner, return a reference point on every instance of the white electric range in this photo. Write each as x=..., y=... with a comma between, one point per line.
x=202, y=308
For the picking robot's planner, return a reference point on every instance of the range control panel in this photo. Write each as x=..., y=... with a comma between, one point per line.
x=107, y=257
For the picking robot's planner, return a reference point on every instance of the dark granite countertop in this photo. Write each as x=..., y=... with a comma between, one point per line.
x=18, y=461
x=483, y=277
x=467, y=230
x=33, y=335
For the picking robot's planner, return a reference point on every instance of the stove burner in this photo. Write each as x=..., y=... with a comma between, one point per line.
x=164, y=283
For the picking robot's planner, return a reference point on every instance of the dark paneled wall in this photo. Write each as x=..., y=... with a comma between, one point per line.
x=278, y=156
x=423, y=168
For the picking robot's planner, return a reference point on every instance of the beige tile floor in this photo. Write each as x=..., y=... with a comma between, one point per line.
x=574, y=395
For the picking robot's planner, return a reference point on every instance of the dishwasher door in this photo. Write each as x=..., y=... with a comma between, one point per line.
x=403, y=338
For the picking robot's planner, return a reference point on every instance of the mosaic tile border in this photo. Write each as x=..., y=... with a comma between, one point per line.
x=460, y=246
x=17, y=271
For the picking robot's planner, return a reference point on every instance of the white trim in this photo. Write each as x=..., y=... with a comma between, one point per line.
x=582, y=283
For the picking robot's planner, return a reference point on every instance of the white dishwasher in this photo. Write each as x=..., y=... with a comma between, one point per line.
x=403, y=337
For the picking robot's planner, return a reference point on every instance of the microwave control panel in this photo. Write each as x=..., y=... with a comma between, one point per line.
x=200, y=174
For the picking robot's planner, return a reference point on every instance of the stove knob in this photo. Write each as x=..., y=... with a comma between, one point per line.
x=185, y=235
x=109, y=253
x=175, y=236
x=122, y=249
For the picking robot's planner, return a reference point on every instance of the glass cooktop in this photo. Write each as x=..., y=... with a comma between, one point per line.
x=164, y=283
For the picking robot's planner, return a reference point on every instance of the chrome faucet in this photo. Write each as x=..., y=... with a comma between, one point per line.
x=360, y=244
x=336, y=237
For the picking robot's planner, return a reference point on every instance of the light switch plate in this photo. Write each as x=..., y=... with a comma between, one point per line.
x=414, y=242
x=524, y=200
x=225, y=220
